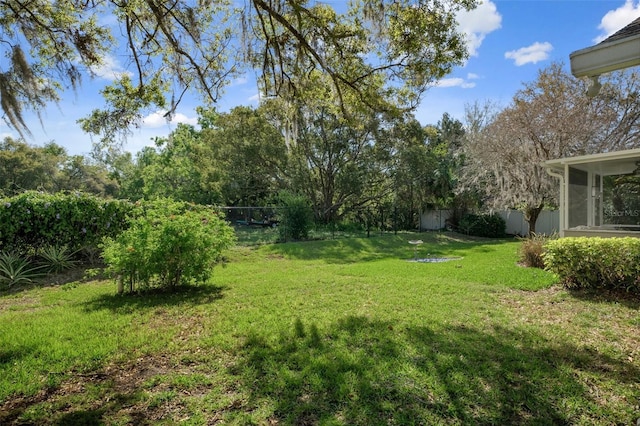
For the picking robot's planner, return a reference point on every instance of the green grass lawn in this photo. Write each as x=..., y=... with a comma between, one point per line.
x=340, y=332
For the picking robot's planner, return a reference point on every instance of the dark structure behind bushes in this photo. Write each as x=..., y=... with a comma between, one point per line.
x=483, y=225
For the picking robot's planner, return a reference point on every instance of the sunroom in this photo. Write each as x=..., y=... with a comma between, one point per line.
x=599, y=194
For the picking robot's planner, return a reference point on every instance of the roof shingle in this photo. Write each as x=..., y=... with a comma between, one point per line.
x=630, y=30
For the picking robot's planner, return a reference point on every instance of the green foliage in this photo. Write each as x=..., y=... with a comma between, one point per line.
x=532, y=250
x=425, y=162
x=24, y=167
x=33, y=220
x=168, y=244
x=180, y=167
x=57, y=258
x=126, y=98
x=484, y=225
x=48, y=168
x=237, y=159
x=16, y=269
x=593, y=262
x=336, y=161
x=202, y=46
x=296, y=217
x=246, y=155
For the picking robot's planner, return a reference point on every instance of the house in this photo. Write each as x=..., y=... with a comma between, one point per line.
x=600, y=193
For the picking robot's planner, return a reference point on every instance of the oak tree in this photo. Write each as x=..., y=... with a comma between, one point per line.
x=171, y=47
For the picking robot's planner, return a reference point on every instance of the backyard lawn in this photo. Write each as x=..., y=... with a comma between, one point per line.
x=337, y=332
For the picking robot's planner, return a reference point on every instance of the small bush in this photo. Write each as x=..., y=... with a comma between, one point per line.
x=171, y=244
x=593, y=262
x=296, y=218
x=485, y=225
x=532, y=250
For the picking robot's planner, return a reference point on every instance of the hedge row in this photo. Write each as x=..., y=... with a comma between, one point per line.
x=32, y=220
x=591, y=262
x=483, y=225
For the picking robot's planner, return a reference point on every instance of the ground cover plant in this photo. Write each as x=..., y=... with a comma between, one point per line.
x=347, y=331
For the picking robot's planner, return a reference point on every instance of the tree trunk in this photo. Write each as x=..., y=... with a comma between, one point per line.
x=531, y=216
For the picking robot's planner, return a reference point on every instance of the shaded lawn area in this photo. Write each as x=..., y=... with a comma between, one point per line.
x=334, y=332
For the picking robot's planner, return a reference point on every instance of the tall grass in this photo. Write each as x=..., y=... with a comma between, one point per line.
x=346, y=331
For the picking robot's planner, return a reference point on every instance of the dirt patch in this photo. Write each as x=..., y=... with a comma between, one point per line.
x=128, y=393
x=140, y=391
x=118, y=380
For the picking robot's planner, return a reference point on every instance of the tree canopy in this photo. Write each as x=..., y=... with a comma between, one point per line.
x=48, y=168
x=171, y=47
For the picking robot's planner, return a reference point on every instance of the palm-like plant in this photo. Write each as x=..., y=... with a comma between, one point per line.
x=15, y=269
x=57, y=259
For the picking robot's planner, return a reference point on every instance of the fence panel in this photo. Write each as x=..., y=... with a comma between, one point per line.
x=434, y=219
x=548, y=221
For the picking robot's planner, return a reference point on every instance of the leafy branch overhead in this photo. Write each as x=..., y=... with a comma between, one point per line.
x=171, y=47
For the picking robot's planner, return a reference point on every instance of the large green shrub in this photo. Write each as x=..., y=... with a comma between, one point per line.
x=296, y=218
x=168, y=244
x=593, y=262
x=32, y=220
x=484, y=225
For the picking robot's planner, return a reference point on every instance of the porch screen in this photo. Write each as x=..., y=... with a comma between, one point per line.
x=621, y=200
x=578, y=194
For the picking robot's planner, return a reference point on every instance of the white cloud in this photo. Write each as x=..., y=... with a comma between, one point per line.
x=531, y=54
x=158, y=119
x=454, y=82
x=110, y=69
x=182, y=118
x=472, y=76
x=477, y=23
x=617, y=19
x=109, y=19
x=239, y=81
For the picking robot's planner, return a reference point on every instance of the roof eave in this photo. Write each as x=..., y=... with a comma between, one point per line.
x=592, y=158
x=606, y=57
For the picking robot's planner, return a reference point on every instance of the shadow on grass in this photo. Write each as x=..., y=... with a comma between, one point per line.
x=183, y=295
x=14, y=355
x=12, y=413
x=383, y=247
x=117, y=402
x=366, y=372
x=628, y=299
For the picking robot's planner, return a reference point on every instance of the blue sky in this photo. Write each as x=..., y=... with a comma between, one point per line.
x=509, y=40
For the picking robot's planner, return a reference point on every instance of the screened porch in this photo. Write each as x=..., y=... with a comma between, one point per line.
x=599, y=194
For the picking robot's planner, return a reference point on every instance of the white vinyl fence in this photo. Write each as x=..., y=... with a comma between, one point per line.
x=548, y=221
